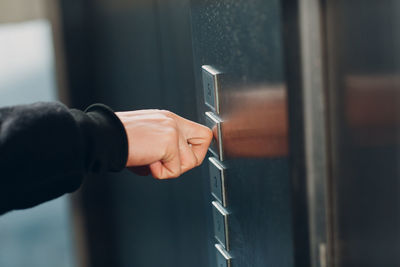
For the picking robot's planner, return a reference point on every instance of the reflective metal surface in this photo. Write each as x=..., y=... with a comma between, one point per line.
x=217, y=180
x=221, y=231
x=213, y=122
x=304, y=51
x=223, y=257
x=254, y=121
x=363, y=41
x=243, y=39
x=211, y=83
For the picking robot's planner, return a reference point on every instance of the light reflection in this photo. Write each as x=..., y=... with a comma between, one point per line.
x=255, y=122
x=372, y=108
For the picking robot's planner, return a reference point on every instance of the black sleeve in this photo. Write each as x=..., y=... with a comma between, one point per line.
x=46, y=150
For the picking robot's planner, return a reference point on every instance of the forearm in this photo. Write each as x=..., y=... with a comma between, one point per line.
x=46, y=150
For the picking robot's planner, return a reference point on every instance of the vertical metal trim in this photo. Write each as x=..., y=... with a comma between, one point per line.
x=315, y=132
x=305, y=78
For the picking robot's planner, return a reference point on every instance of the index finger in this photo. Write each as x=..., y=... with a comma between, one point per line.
x=197, y=135
x=193, y=130
x=200, y=144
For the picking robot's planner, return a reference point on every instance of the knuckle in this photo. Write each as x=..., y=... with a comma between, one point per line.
x=175, y=174
x=166, y=112
x=170, y=122
x=161, y=177
x=157, y=176
x=199, y=161
x=171, y=135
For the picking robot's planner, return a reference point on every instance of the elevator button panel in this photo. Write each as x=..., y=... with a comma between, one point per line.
x=214, y=123
x=220, y=215
x=223, y=257
x=217, y=180
x=211, y=77
x=211, y=85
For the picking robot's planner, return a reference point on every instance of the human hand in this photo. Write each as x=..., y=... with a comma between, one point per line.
x=163, y=143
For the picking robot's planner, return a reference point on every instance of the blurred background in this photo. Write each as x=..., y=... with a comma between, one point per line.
x=82, y=52
x=41, y=236
x=310, y=104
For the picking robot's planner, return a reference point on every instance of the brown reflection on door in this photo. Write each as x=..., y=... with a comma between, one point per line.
x=364, y=105
x=255, y=122
x=372, y=109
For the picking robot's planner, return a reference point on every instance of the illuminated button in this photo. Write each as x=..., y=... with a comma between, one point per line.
x=220, y=215
x=214, y=123
x=211, y=78
x=217, y=180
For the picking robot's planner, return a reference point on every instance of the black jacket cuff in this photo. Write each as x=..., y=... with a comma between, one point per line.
x=105, y=139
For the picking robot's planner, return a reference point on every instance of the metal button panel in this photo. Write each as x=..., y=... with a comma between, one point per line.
x=214, y=123
x=217, y=180
x=210, y=85
x=223, y=257
x=220, y=215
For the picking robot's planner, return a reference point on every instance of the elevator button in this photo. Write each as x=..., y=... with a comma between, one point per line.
x=211, y=78
x=214, y=123
x=220, y=215
x=217, y=180
x=223, y=257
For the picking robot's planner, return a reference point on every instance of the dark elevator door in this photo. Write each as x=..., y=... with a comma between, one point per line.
x=242, y=39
